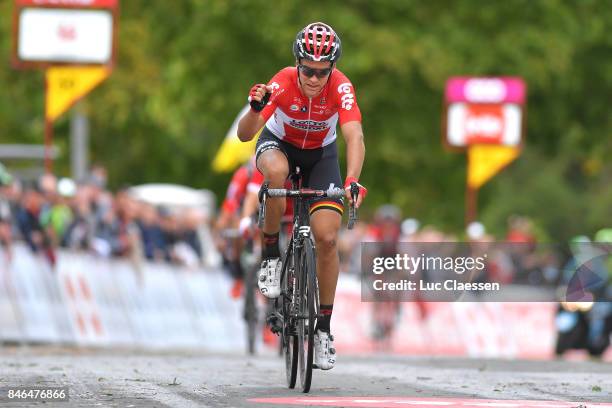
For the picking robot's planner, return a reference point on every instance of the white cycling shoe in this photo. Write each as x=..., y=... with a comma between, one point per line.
x=269, y=278
x=325, y=353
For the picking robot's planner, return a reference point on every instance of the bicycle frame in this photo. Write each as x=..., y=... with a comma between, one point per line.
x=297, y=307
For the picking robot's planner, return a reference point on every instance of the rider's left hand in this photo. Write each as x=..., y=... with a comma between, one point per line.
x=362, y=191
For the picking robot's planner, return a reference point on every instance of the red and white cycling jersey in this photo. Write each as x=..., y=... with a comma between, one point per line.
x=237, y=188
x=309, y=123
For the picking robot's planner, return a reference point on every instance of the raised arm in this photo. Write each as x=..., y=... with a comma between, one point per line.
x=252, y=121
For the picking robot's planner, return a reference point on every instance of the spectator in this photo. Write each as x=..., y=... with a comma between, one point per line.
x=6, y=236
x=151, y=234
x=80, y=232
x=28, y=221
x=59, y=217
x=189, y=224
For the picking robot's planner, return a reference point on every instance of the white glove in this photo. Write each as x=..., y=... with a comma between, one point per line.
x=245, y=226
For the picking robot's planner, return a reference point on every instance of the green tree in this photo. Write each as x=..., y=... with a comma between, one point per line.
x=184, y=68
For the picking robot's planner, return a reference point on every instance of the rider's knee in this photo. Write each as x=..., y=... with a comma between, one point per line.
x=275, y=171
x=327, y=242
x=277, y=174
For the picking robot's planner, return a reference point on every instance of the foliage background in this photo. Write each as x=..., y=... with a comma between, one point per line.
x=184, y=68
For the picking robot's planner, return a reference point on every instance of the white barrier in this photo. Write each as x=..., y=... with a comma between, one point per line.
x=10, y=314
x=31, y=283
x=87, y=300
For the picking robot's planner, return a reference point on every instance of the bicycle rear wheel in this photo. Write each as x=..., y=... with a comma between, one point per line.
x=250, y=308
x=308, y=311
x=289, y=339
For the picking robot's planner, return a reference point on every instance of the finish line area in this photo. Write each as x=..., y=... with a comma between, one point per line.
x=391, y=402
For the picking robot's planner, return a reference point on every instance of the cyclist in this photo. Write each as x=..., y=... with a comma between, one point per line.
x=386, y=231
x=300, y=108
x=228, y=218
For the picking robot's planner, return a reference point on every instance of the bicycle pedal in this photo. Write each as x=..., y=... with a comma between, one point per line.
x=275, y=321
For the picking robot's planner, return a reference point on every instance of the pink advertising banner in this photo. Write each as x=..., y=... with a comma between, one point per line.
x=490, y=90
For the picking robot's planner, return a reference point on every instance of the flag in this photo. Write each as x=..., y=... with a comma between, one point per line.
x=233, y=152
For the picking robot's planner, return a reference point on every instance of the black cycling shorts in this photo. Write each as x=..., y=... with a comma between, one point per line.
x=319, y=167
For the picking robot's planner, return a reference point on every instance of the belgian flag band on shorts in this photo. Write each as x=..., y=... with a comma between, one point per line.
x=328, y=205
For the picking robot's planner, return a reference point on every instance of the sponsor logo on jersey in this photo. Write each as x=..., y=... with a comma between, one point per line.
x=275, y=87
x=304, y=109
x=294, y=108
x=311, y=125
x=347, y=98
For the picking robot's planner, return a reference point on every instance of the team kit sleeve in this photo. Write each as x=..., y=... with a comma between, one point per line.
x=279, y=85
x=255, y=182
x=235, y=190
x=344, y=91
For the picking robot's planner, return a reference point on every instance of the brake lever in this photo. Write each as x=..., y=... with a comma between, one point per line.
x=352, y=209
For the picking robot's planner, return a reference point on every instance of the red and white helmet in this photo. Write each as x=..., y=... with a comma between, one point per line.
x=317, y=42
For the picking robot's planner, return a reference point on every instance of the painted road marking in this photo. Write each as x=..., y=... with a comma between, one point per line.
x=394, y=402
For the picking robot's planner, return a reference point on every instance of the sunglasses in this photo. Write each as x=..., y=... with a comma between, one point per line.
x=309, y=72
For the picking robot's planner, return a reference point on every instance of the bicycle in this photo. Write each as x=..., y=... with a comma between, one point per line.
x=243, y=248
x=297, y=307
x=250, y=264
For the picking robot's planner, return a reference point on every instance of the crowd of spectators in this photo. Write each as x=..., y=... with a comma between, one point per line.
x=51, y=213
x=514, y=257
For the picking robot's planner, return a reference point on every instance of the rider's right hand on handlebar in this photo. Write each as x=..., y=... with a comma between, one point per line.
x=259, y=96
x=362, y=191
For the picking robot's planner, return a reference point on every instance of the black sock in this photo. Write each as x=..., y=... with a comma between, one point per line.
x=270, y=246
x=324, y=321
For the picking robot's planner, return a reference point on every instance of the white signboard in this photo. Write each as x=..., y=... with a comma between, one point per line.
x=65, y=35
x=484, y=124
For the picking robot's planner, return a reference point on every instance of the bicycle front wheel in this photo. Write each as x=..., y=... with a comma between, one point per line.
x=309, y=306
x=289, y=338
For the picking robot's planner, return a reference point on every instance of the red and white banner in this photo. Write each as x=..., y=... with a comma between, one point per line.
x=484, y=111
x=484, y=124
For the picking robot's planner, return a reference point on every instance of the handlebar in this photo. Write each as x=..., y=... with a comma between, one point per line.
x=305, y=193
x=335, y=193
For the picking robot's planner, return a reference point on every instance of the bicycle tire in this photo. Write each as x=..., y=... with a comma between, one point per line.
x=250, y=309
x=308, y=310
x=289, y=341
